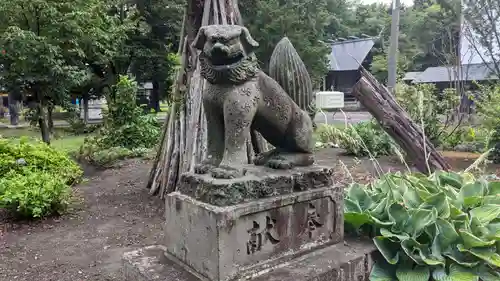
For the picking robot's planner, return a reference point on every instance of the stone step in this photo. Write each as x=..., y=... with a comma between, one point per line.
x=348, y=261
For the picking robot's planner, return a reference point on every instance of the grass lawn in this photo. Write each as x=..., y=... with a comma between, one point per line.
x=62, y=140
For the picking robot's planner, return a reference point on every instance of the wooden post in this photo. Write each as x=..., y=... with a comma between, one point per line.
x=379, y=101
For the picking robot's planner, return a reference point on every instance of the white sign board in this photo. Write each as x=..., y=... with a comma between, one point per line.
x=329, y=100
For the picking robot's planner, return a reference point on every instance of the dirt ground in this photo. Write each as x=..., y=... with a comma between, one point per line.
x=114, y=214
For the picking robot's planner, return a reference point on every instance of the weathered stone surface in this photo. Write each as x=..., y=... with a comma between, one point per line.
x=259, y=182
x=151, y=264
x=220, y=242
x=350, y=261
x=239, y=99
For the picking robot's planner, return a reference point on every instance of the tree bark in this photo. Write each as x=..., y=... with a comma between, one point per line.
x=42, y=122
x=377, y=99
x=14, y=108
x=50, y=118
x=155, y=96
x=85, y=106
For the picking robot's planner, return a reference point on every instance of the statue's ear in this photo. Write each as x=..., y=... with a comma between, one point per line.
x=246, y=39
x=200, y=39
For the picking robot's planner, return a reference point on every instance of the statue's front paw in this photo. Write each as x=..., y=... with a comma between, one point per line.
x=281, y=164
x=203, y=168
x=227, y=172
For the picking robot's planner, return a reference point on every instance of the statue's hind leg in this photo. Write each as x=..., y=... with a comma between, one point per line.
x=298, y=148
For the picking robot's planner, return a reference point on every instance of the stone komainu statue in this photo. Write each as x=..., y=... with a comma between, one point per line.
x=240, y=98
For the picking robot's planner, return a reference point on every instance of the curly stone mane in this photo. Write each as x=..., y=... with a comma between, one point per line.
x=238, y=74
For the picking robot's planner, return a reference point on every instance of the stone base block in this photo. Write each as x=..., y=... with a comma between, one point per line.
x=348, y=261
x=220, y=243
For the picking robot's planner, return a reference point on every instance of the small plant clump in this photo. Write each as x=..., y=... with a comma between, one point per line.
x=127, y=131
x=35, y=179
x=361, y=139
x=441, y=227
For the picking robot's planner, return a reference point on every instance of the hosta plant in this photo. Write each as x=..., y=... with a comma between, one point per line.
x=443, y=227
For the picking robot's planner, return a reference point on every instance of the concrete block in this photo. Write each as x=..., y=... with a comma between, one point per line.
x=349, y=261
x=220, y=243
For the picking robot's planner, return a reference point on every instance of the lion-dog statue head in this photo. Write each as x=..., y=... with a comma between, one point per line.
x=227, y=54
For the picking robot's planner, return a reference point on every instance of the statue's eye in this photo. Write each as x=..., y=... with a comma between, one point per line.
x=214, y=40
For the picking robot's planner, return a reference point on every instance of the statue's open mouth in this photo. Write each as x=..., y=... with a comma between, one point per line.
x=226, y=61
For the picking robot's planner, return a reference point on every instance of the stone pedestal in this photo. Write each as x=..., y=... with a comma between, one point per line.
x=267, y=225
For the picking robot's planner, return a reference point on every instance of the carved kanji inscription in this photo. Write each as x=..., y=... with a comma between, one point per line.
x=261, y=234
x=313, y=220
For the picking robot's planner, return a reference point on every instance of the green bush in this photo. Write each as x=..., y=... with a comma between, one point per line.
x=425, y=105
x=127, y=131
x=488, y=109
x=35, y=179
x=361, y=139
x=442, y=227
x=468, y=139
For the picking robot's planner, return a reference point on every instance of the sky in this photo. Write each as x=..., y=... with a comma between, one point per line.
x=386, y=1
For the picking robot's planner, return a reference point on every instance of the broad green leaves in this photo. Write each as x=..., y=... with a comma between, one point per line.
x=443, y=227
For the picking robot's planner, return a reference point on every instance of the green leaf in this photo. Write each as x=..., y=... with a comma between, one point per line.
x=486, y=213
x=411, y=198
x=378, y=209
x=419, y=219
x=491, y=199
x=471, y=241
x=494, y=188
x=440, y=202
x=429, y=258
x=388, y=249
x=358, y=193
x=351, y=206
x=380, y=223
x=357, y=219
x=456, y=213
x=407, y=273
x=494, y=230
x=382, y=272
x=399, y=216
x=388, y=234
x=457, y=273
x=461, y=259
x=412, y=249
x=447, y=234
x=487, y=274
x=451, y=178
x=472, y=193
x=489, y=255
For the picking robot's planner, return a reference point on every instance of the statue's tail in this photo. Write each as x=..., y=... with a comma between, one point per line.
x=288, y=69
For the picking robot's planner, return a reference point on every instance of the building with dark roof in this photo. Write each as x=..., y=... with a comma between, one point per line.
x=345, y=59
x=476, y=63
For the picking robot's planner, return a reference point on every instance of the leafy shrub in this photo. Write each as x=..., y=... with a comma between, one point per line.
x=107, y=157
x=361, y=139
x=35, y=178
x=446, y=225
x=127, y=131
x=468, y=139
x=327, y=135
x=424, y=105
x=78, y=127
x=488, y=109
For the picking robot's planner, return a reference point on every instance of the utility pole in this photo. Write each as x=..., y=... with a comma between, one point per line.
x=392, y=59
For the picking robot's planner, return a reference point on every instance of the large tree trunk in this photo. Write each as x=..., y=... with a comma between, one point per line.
x=42, y=118
x=377, y=99
x=85, y=106
x=155, y=96
x=183, y=142
x=14, y=107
